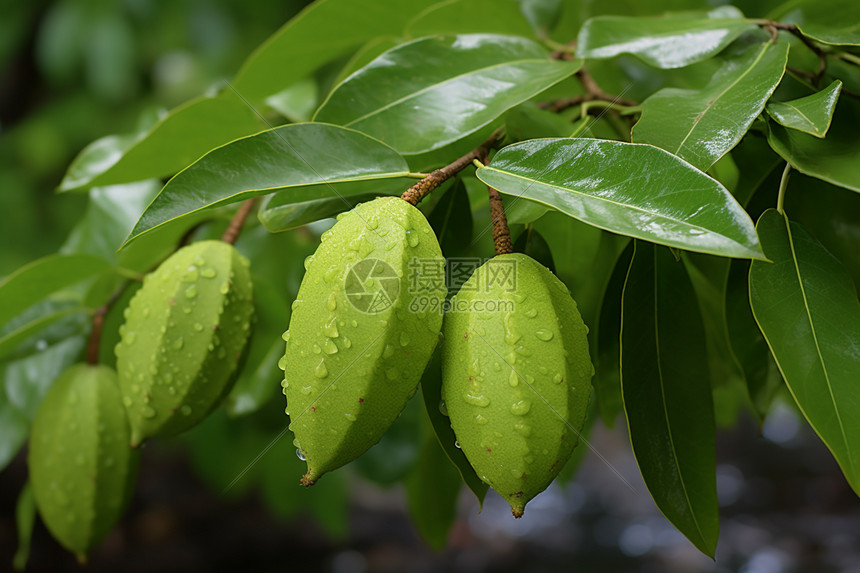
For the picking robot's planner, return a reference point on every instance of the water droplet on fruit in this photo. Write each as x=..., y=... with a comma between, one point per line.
x=208, y=273
x=185, y=410
x=191, y=291
x=321, y=371
x=331, y=303
x=543, y=334
x=480, y=420
x=329, y=347
x=477, y=400
x=300, y=455
x=521, y=408
x=443, y=408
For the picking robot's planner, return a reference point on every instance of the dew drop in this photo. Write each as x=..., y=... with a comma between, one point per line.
x=300, y=455
x=477, y=400
x=457, y=444
x=282, y=363
x=521, y=408
x=198, y=327
x=185, y=410
x=543, y=334
x=191, y=291
x=130, y=337
x=316, y=348
x=127, y=401
x=331, y=303
x=480, y=420
x=331, y=273
x=514, y=379
x=148, y=412
x=443, y=408
x=392, y=373
x=558, y=378
x=523, y=429
x=404, y=338
x=321, y=371
x=531, y=313
x=412, y=238
x=192, y=274
x=329, y=347
x=347, y=343
x=286, y=336
x=225, y=288
x=388, y=352
x=350, y=417
x=330, y=328
x=208, y=273
x=308, y=260
x=178, y=343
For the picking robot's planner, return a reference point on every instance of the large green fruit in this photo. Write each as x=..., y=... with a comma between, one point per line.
x=360, y=334
x=183, y=337
x=516, y=375
x=81, y=468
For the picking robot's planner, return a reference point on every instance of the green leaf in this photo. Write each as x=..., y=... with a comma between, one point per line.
x=431, y=491
x=303, y=205
x=543, y=15
x=431, y=391
x=530, y=242
x=835, y=159
x=296, y=102
x=324, y=31
x=424, y=94
x=811, y=114
x=471, y=17
x=176, y=140
x=14, y=427
x=828, y=21
x=25, y=519
x=626, y=188
x=451, y=218
x=806, y=305
x=702, y=125
x=390, y=460
x=671, y=41
x=748, y=346
x=605, y=342
x=667, y=393
x=24, y=333
x=34, y=281
x=296, y=155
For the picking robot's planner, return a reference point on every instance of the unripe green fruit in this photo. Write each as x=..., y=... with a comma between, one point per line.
x=81, y=468
x=183, y=337
x=352, y=360
x=516, y=376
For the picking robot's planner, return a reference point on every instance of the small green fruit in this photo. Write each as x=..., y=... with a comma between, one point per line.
x=358, y=341
x=183, y=337
x=516, y=375
x=81, y=468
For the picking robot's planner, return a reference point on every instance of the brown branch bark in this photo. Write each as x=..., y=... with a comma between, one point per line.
x=501, y=233
x=417, y=192
x=775, y=26
x=235, y=227
x=98, y=324
x=592, y=92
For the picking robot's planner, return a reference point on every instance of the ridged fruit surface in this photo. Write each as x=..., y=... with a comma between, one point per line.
x=82, y=469
x=183, y=337
x=357, y=345
x=516, y=375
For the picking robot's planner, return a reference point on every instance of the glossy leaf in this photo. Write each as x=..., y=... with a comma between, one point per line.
x=296, y=155
x=431, y=391
x=835, y=159
x=11, y=339
x=530, y=242
x=671, y=41
x=33, y=282
x=702, y=125
x=807, y=308
x=828, y=21
x=811, y=114
x=748, y=346
x=396, y=454
x=630, y=189
x=176, y=140
x=422, y=95
x=667, y=393
x=323, y=31
x=303, y=205
x=431, y=491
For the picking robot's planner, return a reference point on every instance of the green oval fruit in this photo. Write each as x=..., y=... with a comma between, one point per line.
x=81, y=468
x=359, y=335
x=183, y=336
x=516, y=375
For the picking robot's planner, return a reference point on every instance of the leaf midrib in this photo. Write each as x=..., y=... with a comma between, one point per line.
x=815, y=339
x=666, y=409
x=721, y=94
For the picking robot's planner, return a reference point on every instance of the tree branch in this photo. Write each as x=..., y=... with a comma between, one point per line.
x=501, y=233
x=593, y=92
x=235, y=227
x=98, y=324
x=417, y=192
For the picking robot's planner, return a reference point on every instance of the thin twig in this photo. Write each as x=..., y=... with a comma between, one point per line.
x=417, y=192
x=98, y=324
x=235, y=227
x=501, y=233
x=774, y=26
x=593, y=92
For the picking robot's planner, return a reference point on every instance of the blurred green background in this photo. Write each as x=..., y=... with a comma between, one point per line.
x=76, y=70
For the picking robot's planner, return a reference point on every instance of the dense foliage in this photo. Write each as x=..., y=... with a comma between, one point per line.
x=691, y=176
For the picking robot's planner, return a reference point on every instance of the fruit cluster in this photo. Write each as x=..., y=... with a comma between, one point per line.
x=516, y=383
